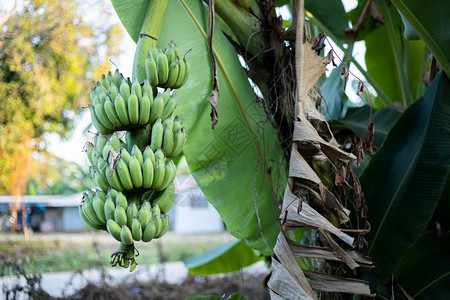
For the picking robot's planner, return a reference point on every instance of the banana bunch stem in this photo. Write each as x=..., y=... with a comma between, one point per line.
x=150, y=30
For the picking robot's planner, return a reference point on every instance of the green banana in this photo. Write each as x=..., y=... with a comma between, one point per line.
x=163, y=67
x=122, y=200
x=122, y=110
x=147, y=173
x=181, y=73
x=109, y=208
x=164, y=227
x=125, y=235
x=110, y=78
x=169, y=174
x=170, y=53
x=144, y=110
x=168, y=140
x=147, y=89
x=157, y=135
x=135, y=172
x=166, y=95
x=143, y=216
x=169, y=107
x=132, y=212
x=159, y=225
x=120, y=216
x=156, y=210
x=104, y=82
x=124, y=174
x=100, y=194
x=102, y=117
x=174, y=69
x=117, y=78
x=89, y=222
x=133, y=108
x=169, y=122
x=113, y=92
x=89, y=151
x=125, y=89
x=148, y=153
x=187, y=69
x=101, y=142
x=90, y=213
x=138, y=154
x=115, y=141
x=101, y=180
x=179, y=140
x=125, y=155
x=110, y=111
x=113, y=193
x=114, y=229
x=149, y=231
x=157, y=108
x=136, y=229
x=99, y=209
x=97, y=124
x=151, y=70
x=158, y=174
x=105, y=152
x=166, y=200
x=113, y=179
x=160, y=153
x=136, y=88
x=176, y=124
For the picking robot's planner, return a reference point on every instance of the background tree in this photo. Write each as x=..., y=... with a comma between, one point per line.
x=49, y=53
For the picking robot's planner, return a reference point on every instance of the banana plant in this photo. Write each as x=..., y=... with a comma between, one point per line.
x=258, y=138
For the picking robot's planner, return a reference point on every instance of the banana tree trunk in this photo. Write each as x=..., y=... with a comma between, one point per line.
x=289, y=280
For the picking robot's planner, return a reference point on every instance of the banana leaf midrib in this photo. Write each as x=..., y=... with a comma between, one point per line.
x=238, y=102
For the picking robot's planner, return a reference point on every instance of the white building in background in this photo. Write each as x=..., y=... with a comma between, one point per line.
x=192, y=213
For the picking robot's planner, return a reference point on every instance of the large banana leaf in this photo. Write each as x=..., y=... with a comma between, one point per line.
x=331, y=14
x=430, y=21
x=357, y=120
x=424, y=272
x=380, y=61
x=404, y=181
x=230, y=257
x=239, y=165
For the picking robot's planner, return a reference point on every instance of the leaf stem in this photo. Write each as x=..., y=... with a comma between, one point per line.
x=150, y=30
x=404, y=83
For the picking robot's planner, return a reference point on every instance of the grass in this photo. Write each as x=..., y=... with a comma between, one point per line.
x=70, y=252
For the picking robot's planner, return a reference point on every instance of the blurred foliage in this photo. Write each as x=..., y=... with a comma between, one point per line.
x=49, y=53
x=55, y=176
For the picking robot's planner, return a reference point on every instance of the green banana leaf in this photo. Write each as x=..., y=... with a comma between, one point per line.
x=430, y=21
x=239, y=165
x=333, y=94
x=230, y=257
x=380, y=61
x=331, y=14
x=424, y=272
x=131, y=13
x=357, y=120
x=405, y=179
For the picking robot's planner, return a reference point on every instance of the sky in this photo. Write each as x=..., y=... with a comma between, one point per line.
x=71, y=149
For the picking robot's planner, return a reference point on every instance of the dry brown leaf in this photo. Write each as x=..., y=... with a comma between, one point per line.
x=308, y=217
x=330, y=283
x=300, y=250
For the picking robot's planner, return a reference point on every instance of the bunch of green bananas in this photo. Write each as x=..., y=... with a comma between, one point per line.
x=114, y=167
x=126, y=219
x=135, y=174
x=166, y=69
x=119, y=104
